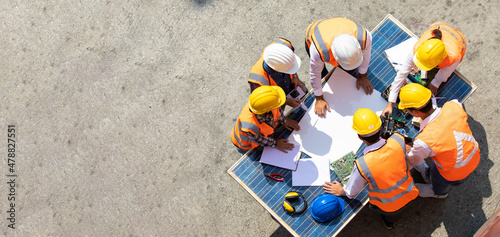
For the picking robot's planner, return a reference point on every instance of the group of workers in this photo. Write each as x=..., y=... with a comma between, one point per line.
x=444, y=135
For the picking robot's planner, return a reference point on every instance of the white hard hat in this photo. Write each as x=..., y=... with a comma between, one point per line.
x=281, y=58
x=347, y=51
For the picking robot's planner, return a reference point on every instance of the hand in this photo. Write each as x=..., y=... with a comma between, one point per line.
x=292, y=102
x=283, y=145
x=297, y=82
x=334, y=188
x=320, y=105
x=388, y=109
x=291, y=124
x=433, y=89
x=364, y=82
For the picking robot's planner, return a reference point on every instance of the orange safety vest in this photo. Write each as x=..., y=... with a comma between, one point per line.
x=391, y=186
x=449, y=136
x=258, y=75
x=248, y=123
x=322, y=33
x=453, y=39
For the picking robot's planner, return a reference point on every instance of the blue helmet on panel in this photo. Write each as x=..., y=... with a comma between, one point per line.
x=326, y=207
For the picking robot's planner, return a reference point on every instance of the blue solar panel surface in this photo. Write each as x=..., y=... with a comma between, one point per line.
x=270, y=193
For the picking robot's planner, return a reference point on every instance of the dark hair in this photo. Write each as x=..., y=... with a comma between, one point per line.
x=373, y=138
x=437, y=34
x=426, y=108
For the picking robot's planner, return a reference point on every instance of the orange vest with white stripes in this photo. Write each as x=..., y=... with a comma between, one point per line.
x=259, y=76
x=391, y=186
x=453, y=39
x=322, y=32
x=248, y=123
x=449, y=136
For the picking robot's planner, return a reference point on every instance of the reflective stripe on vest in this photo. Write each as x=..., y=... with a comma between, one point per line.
x=258, y=75
x=248, y=123
x=456, y=151
x=239, y=139
x=323, y=38
x=453, y=32
x=260, y=79
x=370, y=178
x=402, y=191
x=282, y=41
x=393, y=199
x=453, y=40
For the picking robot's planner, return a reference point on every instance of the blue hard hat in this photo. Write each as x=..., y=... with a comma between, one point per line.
x=326, y=207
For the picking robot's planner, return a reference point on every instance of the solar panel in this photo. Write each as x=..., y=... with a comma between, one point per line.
x=249, y=172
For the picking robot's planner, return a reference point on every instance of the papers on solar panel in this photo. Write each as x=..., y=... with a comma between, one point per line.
x=397, y=54
x=311, y=172
x=332, y=137
x=275, y=157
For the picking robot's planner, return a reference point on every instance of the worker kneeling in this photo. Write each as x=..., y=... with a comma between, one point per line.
x=444, y=136
x=256, y=123
x=383, y=166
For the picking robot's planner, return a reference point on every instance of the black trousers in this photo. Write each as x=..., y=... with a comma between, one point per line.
x=390, y=217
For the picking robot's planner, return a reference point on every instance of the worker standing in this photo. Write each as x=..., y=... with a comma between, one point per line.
x=339, y=42
x=257, y=120
x=444, y=136
x=439, y=50
x=383, y=166
x=278, y=66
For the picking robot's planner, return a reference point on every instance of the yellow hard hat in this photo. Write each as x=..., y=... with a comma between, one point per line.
x=266, y=98
x=429, y=54
x=414, y=95
x=365, y=122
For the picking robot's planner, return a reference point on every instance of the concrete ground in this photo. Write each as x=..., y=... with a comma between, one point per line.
x=123, y=112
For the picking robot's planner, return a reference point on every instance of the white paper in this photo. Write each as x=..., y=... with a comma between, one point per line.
x=397, y=54
x=275, y=157
x=332, y=137
x=311, y=172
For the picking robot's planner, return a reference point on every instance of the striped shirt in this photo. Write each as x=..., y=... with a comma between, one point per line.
x=268, y=119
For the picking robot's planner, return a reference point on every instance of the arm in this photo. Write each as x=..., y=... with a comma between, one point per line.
x=363, y=68
x=400, y=78
x=398, y=82
x=296, y=82
x=419, y=152
x=442, y=76
x=261, y=140
x=363, y=80
x=316, y=66
x=289, y=124
x=354, y=186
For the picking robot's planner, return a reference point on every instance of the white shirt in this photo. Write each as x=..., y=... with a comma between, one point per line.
x=420, y=150
x=356, y=182
x=441, y=76
x=316, y=64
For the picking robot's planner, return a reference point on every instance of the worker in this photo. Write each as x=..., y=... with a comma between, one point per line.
x=444, y=136
x=439, y=50
x=339, y=42
x=278, y=66
x=383, y=166
x=257, y=120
